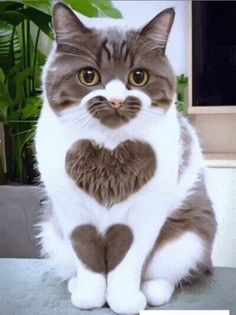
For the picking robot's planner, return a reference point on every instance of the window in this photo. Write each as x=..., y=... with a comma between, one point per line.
x=214, y=53
x=212, y=75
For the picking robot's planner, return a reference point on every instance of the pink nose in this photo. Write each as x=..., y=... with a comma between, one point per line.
x=116, y=102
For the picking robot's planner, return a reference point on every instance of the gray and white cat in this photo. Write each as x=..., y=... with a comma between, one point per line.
x=130, y=215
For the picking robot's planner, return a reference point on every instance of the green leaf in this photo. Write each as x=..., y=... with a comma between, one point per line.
x=84, y=7
x=4, y=93
x=12, y=17
x=10, y=51
x=3, y=164
x=27, y=138
x=41, y=19
x=14, y=116
x=44, y=6
x=32, y=108
x=105, y=8
x=19, y=83
x=2, y=75
x=5, y=103
x=182, y=83
x=9, y=5
x=94, y=8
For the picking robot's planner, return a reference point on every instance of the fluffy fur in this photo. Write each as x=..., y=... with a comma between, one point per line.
x=151, y=269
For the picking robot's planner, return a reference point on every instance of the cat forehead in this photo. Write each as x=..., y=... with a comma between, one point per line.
x=106, y=47
x=117, y=44
x=117, y=35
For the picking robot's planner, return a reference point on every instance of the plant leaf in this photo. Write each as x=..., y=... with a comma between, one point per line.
x=9, y=5
x=3, y=164
x=2, y=75
x=12, y=17
x=105, y=8
x=41, y=19
x=5, y=103
x=4, y=93
x=19, y=81
x=7, y=60
x=44, y=6
x=94, y=8
x=31, y=108
x=84, y=7
x=27, y=138
x=182, y=83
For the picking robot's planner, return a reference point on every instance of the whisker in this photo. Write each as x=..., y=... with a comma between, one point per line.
x=81, y=122
x=101, y=106
x=153, y=111
x=80, y=48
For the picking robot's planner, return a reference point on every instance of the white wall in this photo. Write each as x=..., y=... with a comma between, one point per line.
x=222, y=189
x=138, y=13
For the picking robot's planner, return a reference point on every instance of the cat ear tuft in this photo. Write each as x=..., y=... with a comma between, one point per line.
x=158, y=29
x=66, y=23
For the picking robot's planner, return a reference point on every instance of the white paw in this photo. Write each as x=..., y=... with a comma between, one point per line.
x=126, y=302
x=71, y=285
x=91, y=295
x=157, y=291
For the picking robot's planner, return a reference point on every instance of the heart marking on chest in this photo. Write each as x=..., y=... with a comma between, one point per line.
x=110, y=176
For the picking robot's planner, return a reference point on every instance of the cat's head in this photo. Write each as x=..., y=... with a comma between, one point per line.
x=112, y=76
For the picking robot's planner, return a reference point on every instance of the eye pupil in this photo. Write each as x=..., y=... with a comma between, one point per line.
x=88, y=75
x=138, y=76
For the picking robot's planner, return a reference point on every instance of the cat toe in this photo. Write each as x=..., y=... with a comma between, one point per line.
x=87, y=296
x=128, y=303
x=87, y=301
x=158, y=292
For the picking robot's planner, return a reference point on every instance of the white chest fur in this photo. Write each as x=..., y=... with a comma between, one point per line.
x=55, y=136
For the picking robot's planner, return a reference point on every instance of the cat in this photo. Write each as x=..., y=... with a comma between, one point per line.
x=128, y=213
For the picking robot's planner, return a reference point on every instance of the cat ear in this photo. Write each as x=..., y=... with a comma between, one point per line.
x=158, y=29
x=65, y=23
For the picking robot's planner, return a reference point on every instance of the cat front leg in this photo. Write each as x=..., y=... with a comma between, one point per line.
x=88, y=288
x=124, y=280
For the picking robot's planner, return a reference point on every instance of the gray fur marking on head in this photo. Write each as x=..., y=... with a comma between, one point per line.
x=114, y=54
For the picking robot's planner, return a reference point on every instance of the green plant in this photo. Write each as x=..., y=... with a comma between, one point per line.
x=182, y=83
x=22, y=23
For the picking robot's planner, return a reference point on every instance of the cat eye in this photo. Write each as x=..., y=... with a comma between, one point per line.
x=89, y=76
x=138, y=77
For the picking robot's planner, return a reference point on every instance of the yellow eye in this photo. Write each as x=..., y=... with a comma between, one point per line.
x=138, y=77
x=89, y=76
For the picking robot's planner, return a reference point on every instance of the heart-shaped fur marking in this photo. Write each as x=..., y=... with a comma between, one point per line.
x=101, y=253
x=110, y=176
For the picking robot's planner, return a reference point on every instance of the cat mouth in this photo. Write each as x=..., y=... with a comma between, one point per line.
x=100, y=108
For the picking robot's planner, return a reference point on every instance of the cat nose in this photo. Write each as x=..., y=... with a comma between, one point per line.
x=116, y=102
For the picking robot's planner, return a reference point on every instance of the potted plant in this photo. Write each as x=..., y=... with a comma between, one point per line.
x=22, y=25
